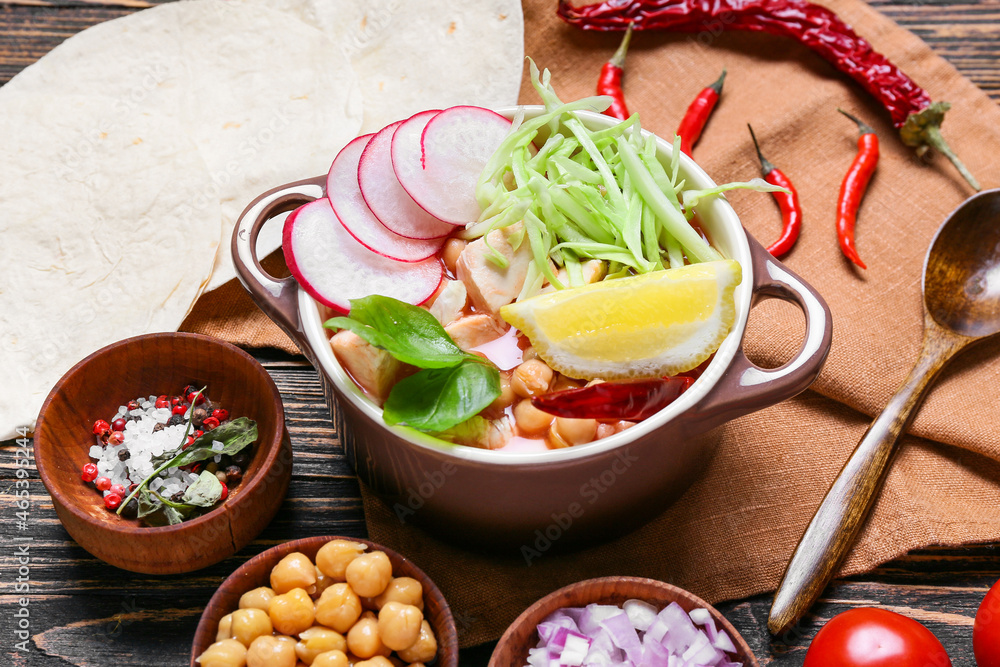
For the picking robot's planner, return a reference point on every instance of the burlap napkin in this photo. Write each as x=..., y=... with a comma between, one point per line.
x=732, y=533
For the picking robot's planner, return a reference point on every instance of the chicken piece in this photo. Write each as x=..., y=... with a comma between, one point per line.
x=474, y=330
x=490, y=286
x=593, y=270
x=450, y=302
x=373, y=369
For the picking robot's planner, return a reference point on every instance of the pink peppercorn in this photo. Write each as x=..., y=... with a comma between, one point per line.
x=89, y=473
x=112, y=501
x=103, y=483
x=179, y=409
x=101, y=427
x=118, y=425
x=116, y=438
x=210, y=423
x=221, y=414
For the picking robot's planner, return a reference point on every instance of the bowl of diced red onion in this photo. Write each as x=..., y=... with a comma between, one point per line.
x=626, y=621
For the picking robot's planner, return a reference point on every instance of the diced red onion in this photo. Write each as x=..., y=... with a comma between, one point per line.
x=633, y=636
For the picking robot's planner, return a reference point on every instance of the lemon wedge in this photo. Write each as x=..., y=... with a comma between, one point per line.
x=651, y=325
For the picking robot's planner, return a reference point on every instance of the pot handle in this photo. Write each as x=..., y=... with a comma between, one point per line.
x=746, y=387
x=277, y=297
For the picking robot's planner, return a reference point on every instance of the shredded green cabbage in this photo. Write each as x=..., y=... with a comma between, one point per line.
x=590, y=194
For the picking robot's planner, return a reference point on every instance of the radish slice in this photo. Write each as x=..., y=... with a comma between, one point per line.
x=441, y=175
x=334, y=268
x=386, y=197
x=344, y=193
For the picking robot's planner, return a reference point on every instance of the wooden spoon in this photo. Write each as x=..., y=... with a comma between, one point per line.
x=961, y=289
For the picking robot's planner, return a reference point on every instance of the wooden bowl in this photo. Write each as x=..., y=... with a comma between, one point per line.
x=512, y=649
x=256, y=572
x=162, y=363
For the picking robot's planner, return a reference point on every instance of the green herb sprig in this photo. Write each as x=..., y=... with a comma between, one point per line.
x=234, y=436
x=453, y=385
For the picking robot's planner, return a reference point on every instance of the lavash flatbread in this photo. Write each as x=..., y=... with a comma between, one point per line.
x=101, y=239
x=411, y=56
x=267, y=98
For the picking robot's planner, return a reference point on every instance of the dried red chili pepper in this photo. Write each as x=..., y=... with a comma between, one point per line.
x=913, y=114
x=697, y=114
x=610, y=81
x=614, y=400
x=791, y=210
x=853, y=188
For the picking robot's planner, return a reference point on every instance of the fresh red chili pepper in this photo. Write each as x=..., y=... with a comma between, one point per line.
x=914, y=115
x=697, y=114
x=791, y=211
x=852, y=190
x=614, y=400
x=610, y=81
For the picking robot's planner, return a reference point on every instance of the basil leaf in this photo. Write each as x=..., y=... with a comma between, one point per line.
x=437, y=399
x=234, y=436
x=205, y=491
x=409, y=333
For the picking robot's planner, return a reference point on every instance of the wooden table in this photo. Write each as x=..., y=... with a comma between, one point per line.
x=83, y=612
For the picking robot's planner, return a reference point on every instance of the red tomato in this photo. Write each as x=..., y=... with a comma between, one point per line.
x=870, y=637
x=986, y=631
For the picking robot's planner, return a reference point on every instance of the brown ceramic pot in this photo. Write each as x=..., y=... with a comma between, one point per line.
x=562, y=497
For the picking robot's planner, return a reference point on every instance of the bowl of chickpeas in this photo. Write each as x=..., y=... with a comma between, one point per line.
x=326, y=602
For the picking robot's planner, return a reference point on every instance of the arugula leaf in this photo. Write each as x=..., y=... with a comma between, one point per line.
x=439, y=398
x=147, y=504
x=409, y=333
x=205, y=491
x=234, y=436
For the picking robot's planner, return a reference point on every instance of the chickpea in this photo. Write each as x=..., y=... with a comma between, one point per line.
x=323, y=582
x=507, y=395
x=531, y=378
x=402, y=589
x=562, y=383
x=424, y=649
x=331, y=659
x=294, y=571
x=333, y=557
x=225, y=628
x=316, y=640
x=292, y=612
x=271, y=651
x=248, y=624
x=339, y=608
x=449, y=253
x=399, y=625
x=369, y=574
x=363, y=639
x=377, y=661
x=225, y=653
x=529, y=419
x=258, y=598
x=575, y=431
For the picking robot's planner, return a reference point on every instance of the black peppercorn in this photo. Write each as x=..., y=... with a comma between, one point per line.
x=241, y=459
x=157, y=427
x=234, y=474
x=131, y=510
x=123, y=455
x=175, y=420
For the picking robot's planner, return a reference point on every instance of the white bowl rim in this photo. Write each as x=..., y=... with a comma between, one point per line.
x=714, y=208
